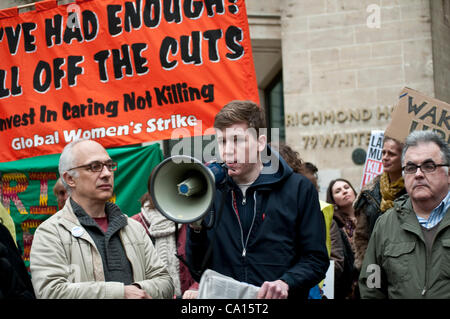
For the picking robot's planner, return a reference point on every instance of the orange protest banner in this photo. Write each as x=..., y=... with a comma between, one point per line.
x=120, y=72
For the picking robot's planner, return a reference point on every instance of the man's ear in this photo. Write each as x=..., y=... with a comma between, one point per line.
x=262, y=141
x=69, y=179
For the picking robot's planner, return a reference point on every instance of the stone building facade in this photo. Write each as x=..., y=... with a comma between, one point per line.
x=344, y=63
x=329, y=71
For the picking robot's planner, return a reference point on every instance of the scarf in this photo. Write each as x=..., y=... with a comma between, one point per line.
x=163, y=231
x=389, y=191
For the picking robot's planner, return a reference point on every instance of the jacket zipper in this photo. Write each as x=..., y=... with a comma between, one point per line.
x=233, y=204
x=427, y=262
x=251, y=226
x=244, y=246
x=426, y=275
x=244, y=197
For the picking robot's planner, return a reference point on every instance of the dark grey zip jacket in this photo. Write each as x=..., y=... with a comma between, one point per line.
x=274, y=231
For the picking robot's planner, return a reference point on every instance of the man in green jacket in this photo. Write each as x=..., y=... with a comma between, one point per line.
x=408, y=255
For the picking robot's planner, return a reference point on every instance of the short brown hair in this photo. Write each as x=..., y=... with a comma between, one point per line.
x=240, y=112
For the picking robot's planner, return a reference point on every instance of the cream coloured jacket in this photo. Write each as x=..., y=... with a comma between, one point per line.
x=65, y=262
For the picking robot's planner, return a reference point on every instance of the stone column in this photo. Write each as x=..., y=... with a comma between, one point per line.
x=344, y=63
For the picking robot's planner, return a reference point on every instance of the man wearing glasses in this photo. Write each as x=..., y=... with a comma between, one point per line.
x=409, y=251
x=90, y=249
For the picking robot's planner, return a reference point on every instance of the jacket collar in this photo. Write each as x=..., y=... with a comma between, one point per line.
x=407, y=216
x=116, y=219
x=68, y=217
x=408, y=219
x=71, y=222
x=369, y=193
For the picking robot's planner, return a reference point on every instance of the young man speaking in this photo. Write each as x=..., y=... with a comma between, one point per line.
x=271, y=232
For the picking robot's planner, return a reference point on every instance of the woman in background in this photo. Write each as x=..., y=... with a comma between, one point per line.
x=341, y=194
x=378, y=196
x=169, y=240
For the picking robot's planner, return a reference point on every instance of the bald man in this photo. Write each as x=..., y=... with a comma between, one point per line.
x=90, y=249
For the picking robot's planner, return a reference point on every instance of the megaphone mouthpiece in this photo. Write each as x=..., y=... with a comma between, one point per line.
x=219, y=171
x=190, y=186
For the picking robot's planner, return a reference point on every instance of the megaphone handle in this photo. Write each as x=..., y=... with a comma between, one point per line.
x=211, y=221
x=197, y=225
x=217, y=214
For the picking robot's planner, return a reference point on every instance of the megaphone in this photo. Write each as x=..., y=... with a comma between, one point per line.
x=182, y=188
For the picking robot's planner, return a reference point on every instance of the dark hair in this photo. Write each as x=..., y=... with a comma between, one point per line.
x=417, y=137
x=330, y=198
x=310, y=167
x=240, y=112
x=291, y=157
x=147, y=197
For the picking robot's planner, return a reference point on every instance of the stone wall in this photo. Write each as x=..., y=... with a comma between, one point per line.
x=440, y=32
x=13, y=3
x=342, y=74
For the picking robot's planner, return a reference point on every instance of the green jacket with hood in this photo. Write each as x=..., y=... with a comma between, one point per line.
x=397, y=263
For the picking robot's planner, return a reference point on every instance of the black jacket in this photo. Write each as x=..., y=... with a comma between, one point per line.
x=276, y=231
x=15, y=283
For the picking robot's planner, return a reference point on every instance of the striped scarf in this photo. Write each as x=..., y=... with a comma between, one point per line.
x=389, y=191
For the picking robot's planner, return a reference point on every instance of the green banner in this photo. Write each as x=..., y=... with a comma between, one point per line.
x=27, y=187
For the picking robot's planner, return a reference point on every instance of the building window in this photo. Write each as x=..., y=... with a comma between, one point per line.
x=274, y=102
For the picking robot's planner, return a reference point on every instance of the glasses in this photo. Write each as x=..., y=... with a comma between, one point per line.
x=425, y=167
x=98, y=166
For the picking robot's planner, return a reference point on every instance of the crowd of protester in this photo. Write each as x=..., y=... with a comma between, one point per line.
x=390, y=240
